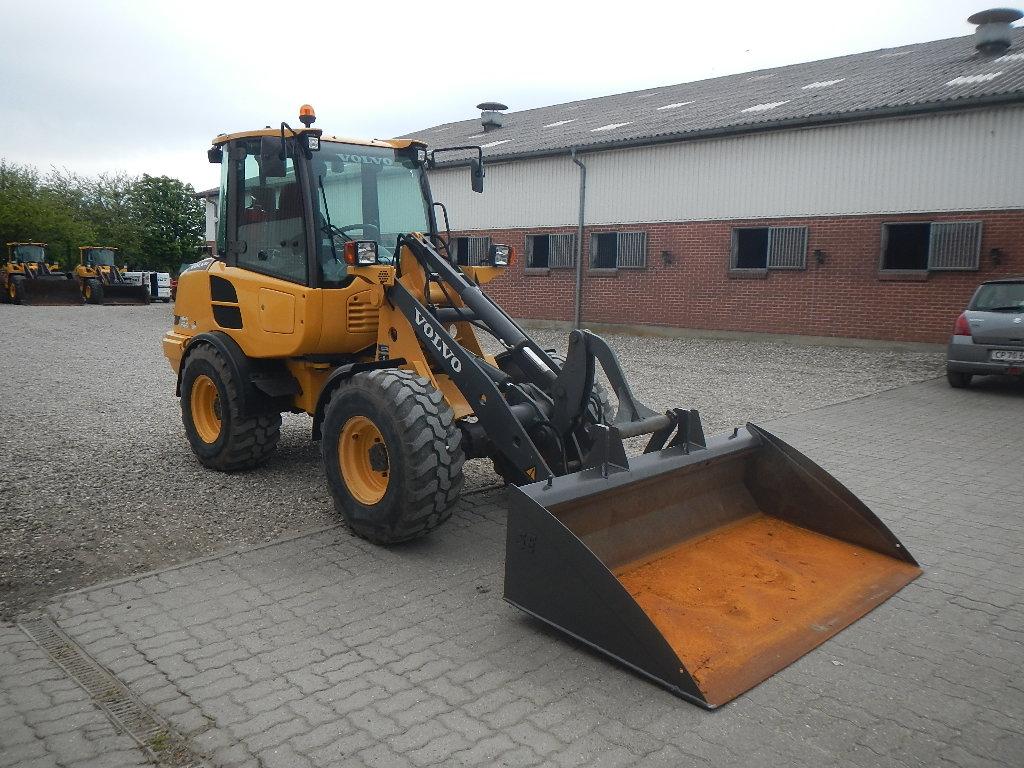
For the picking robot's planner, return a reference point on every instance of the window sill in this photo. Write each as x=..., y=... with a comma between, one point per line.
x=537, y=271
x=748, y=274
x=602, y=271
x=903, y=276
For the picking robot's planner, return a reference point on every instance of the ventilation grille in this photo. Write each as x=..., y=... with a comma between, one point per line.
x=362, y=317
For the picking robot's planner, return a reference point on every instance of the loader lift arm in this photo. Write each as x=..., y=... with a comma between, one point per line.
x=557, y=399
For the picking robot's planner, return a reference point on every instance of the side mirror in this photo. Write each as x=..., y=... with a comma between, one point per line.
x=272, y=158
x=215, y=154
x=476, y=171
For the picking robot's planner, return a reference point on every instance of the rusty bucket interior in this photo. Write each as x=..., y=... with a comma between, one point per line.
x=707, y=571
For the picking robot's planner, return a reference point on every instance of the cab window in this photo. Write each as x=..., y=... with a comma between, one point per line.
x=269, y=219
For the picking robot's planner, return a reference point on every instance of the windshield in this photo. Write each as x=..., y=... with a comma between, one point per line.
x=100, y=256
x=28, y=254
x=365, y=193
x=999, y=297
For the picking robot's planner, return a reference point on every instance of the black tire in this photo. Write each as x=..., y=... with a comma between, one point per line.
x=95, y=294
x=959, y=380
x=423, y=454
x=166, y=301
x=243, y=442
x=17, y=295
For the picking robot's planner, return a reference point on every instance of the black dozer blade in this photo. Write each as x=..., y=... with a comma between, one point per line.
x=125, y=293
x=51, y=291
x=707, y=571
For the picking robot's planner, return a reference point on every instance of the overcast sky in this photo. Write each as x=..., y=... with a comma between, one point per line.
x=142, y=86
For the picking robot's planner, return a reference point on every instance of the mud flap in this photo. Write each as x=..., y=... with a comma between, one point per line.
x=705, y=571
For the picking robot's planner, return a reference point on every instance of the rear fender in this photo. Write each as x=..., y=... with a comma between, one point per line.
x=264, y=385
x=339, y=376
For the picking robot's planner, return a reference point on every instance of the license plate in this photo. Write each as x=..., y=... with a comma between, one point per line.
x=1008, y=356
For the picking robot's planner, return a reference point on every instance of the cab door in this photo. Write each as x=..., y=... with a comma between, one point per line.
x=263, y=298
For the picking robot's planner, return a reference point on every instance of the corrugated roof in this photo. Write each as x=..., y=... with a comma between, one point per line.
x=944, y=74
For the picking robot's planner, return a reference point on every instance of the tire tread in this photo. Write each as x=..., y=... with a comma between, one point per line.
x=434, y=479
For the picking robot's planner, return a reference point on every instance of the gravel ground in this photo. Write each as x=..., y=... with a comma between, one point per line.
x=99, y=482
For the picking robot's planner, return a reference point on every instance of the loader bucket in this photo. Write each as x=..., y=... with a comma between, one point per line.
x=51, y=291
x=706, y=571
x=125, y=293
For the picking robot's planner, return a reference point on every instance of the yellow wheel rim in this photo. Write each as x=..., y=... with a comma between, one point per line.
x=12, y=291
x=88, y=291
x=205, y=404
x=363, y=459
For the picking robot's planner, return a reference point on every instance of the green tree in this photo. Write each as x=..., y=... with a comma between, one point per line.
x=170, y=221
x=33, y=210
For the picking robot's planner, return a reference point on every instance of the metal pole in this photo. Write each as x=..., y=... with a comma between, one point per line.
x=578, y=306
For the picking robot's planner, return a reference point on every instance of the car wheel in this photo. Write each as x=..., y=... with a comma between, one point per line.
x=959, y=380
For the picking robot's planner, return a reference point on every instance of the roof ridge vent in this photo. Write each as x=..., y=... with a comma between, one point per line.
x=491, y=117
x=994, y=33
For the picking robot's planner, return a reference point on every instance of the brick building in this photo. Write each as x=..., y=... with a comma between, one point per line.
x=863, y=196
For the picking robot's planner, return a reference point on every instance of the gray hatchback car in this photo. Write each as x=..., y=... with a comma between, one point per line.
x=988, y=337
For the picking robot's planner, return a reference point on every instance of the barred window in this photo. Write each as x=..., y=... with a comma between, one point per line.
x=550, y=251
x=769, y=248
x=954, y=245
x=471, y=251
x=921, y=246
x=624, y=250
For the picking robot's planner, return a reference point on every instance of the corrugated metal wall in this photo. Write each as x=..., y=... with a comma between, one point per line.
x=963, y=161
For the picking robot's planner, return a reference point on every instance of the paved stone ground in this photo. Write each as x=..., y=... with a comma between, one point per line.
x=324, y=650
x=46, y=719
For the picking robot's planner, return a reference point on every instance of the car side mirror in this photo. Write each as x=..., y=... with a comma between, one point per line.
x=476, y=171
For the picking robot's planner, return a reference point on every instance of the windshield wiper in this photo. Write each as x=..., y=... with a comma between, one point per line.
x=1012, y=308
x=329, y=228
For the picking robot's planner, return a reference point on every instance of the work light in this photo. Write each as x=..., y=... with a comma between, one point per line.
x=501, y=255
x=361, y=252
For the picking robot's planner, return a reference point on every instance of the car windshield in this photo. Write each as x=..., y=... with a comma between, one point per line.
x=999, y=297
x=28, y=254
x=365, y=193
x=101, y=257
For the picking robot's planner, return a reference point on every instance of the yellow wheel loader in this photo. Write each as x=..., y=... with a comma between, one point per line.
x=29, y=277
x=704, y=564
x=102, y=282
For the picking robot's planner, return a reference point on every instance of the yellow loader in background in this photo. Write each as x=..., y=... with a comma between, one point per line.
x=704, y=564
x=29, y=277
x=102, y=282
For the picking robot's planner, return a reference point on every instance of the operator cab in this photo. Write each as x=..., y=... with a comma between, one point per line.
x=28, y=253
x=98, y=257
x=304, y=207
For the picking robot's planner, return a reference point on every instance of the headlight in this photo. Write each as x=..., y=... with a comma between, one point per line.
x=361, y=252
x=502, y=255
